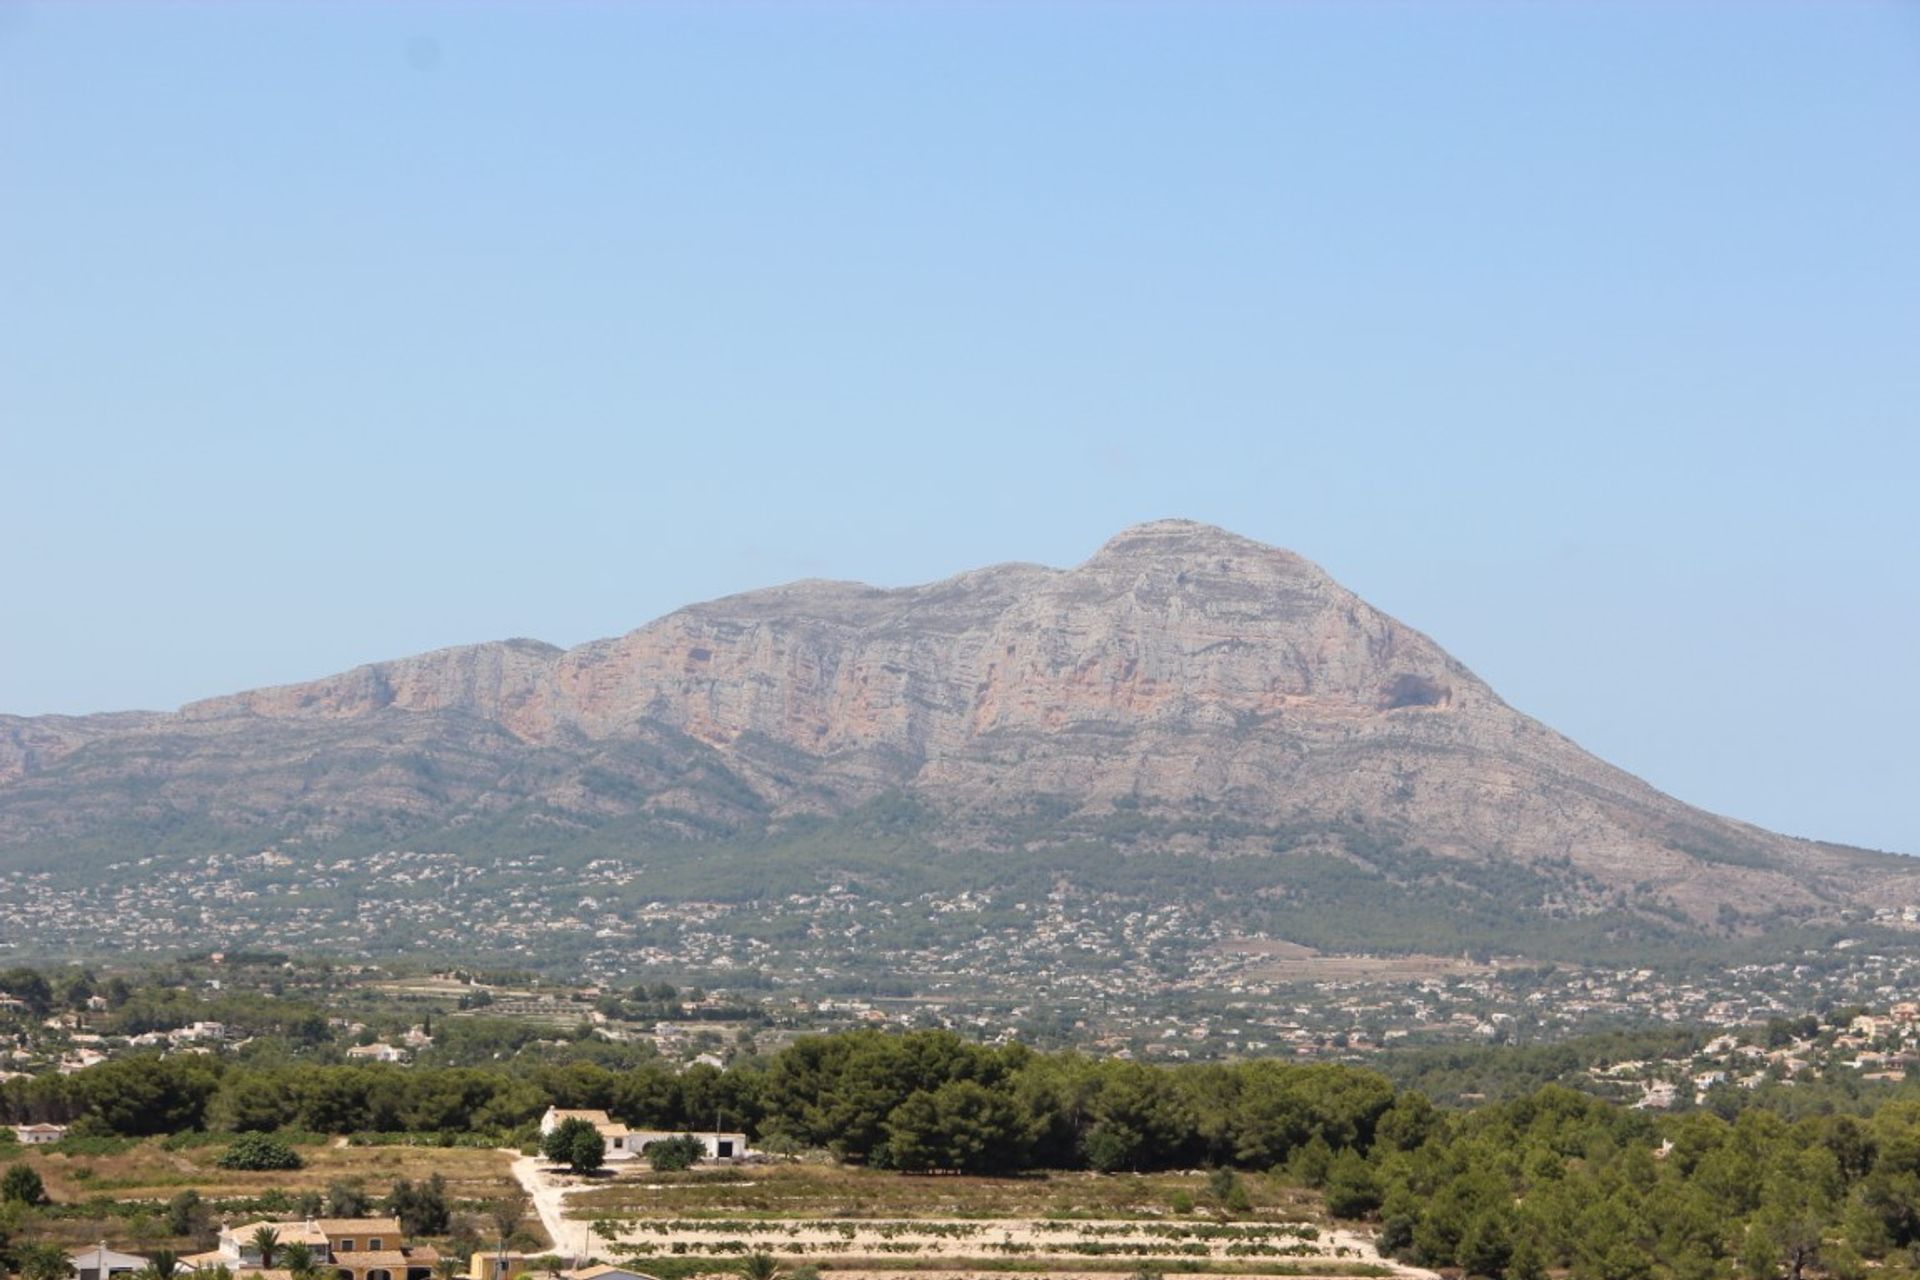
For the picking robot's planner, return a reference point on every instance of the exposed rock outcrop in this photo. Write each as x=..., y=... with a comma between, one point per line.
x=1182, y=668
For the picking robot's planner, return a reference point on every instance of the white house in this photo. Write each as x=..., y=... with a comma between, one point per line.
x=377, y=1053
x=624, y=1143
x=100, y=1262
x=39, y=1135
x=616, y=1135
x=718, y=1146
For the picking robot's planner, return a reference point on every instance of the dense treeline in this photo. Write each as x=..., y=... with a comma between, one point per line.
x=1555, y=1179
x=1458, y=1073
x=1561, y=1179
x=924, y=1100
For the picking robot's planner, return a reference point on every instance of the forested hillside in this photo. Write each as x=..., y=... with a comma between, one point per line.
x=1553, y=1179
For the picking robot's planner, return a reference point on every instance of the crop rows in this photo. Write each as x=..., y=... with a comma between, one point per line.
x=849, y=1229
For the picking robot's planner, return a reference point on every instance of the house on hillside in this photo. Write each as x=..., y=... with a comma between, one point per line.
x=39, y=1135
x=377, y=1053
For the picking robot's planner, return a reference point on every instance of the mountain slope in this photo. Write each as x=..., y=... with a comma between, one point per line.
x=1185, y=691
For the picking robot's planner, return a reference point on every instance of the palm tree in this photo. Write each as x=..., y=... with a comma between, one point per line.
x=266, y=1240
x=42, y=1262
x=298, y=1258
x=761, y=1266
x=446, y=1269
x=161, y=1264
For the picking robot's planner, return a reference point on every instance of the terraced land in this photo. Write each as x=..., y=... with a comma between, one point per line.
x=859, y=1221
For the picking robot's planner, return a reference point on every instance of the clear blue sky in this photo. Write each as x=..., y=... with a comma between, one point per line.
x=1586, y=339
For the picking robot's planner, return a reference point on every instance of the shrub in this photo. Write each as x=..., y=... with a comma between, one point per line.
x=421, y=1207
x=259, y=1151
x=21, y=1185
x=575, y=1143
x=674, y=1153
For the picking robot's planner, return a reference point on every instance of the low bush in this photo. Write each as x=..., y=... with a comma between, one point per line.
x=259, y=1151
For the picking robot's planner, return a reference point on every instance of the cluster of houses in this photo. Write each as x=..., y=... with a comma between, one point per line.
x=415, y=1039
x=336, y=1249
x=1882, y=1047
x=85, y=1049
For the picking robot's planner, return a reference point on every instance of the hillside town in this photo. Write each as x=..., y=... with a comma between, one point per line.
x=1061, y=967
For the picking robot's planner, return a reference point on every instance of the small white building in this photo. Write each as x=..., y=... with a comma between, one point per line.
x=377, y=1053
x=616, y=1135
x=603, y=1271
x=100, y=1263
x=718, y=1146
x=624, y=1143
x=39, y=1135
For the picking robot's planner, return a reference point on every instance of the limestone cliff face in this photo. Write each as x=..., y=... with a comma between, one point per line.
x=1181, y=667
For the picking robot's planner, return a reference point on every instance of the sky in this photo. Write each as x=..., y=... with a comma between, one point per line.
x=1584, y=338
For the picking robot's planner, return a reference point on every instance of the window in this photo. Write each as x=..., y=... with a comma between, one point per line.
x=373, y=1244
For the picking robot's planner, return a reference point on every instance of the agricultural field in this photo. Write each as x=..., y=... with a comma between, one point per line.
x=842, y=1191
x=858, y=1221
x=106, y=1187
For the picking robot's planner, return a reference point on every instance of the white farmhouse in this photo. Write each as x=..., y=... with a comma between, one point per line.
x=624, y=1143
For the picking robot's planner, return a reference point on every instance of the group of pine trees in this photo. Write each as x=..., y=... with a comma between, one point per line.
x=1555, y=1179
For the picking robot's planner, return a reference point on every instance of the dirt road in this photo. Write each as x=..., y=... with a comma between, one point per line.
x=548, y=1190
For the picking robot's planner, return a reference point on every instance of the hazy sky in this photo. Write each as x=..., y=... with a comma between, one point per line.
x=1586, y=339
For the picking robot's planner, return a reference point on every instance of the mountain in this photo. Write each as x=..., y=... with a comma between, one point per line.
x=1186, y=694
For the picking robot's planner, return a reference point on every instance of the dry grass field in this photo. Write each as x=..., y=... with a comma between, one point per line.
x=149, y=1171
x=149, y=1174
x=1273, y=960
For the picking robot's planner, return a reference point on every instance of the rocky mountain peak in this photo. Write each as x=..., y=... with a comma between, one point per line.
x=1192, y=543
x=1182, y=671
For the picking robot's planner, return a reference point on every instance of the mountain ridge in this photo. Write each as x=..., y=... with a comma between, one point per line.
x=1184, y=690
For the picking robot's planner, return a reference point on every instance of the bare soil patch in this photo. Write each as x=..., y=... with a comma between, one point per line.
x=1279, y=961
